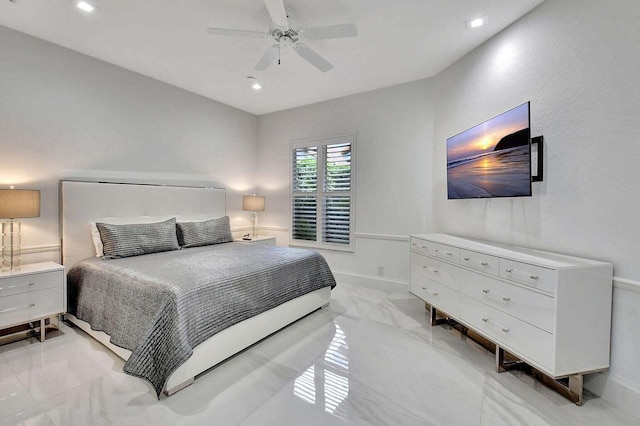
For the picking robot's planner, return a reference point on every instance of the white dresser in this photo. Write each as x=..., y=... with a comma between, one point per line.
x=34, y=293
x=549, y=310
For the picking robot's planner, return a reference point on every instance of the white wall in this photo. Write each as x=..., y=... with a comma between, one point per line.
x=64, y=114
x=578, y=63
x=393, y=130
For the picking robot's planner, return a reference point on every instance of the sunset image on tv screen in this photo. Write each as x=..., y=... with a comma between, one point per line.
x=491, y=159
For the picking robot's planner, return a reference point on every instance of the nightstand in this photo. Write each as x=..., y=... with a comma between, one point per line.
x=36, y=292
x=267, y=241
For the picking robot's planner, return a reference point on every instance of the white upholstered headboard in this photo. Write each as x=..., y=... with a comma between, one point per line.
x=84, y=202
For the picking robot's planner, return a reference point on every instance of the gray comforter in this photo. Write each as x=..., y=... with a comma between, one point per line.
x=160, y=306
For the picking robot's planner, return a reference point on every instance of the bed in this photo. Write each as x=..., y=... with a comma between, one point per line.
x=159, y=312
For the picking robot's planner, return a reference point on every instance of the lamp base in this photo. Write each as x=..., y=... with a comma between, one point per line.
x=255, y=224
x=11, y=252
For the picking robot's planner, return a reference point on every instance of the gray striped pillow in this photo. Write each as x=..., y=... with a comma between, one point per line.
x=138, y=238
x=214, y=231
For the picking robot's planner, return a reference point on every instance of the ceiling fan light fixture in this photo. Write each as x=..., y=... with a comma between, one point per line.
x=474, y=23
x=83, y=5
x=254, y=83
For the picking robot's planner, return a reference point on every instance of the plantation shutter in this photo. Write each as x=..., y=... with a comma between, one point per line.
x=321, y=197
x=305, y=188
x=337, y=180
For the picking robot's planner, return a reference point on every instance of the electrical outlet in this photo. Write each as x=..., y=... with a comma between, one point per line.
x=380, y=271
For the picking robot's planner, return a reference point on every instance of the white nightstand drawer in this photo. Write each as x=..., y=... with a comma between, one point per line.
x=25, y=307
x=534, y=276
x=532, y=307
x=436, y=294
x=31, y=282
x=438, y=271
x=480, y=261
x=510, y=332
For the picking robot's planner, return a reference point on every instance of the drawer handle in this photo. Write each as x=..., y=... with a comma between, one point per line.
x=17, y=309
x=413, y=244
x=427, y=290
x=506, y=299
x=449, y=253
x=504, y=329
x=424, y=247
x=15, y=286
x=533, y=277
x=434, y=270
x=467, y=259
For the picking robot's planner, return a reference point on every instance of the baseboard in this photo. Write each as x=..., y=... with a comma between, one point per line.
x=380, y=283
x=615, y=390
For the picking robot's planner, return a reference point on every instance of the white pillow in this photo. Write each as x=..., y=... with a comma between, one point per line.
x=97, y=241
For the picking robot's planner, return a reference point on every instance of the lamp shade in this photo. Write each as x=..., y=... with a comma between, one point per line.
x=19, y=203
x=253, y=203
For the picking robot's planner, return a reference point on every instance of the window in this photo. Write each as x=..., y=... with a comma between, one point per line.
x=321, y=193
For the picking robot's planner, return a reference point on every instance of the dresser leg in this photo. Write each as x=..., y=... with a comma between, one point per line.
x=433, y=316
x=571, y=387
x=42, y=329
x=576, y=387
x=502, y=365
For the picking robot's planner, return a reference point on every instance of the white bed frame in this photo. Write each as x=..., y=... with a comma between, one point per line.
x=84, y=202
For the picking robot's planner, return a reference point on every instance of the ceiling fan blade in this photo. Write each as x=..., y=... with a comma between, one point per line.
x=267, y=58
x=240, y=33
x=278, y=13
x=331, y=31
x=313, y=58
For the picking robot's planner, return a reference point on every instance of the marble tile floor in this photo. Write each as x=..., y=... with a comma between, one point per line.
x=369, y=358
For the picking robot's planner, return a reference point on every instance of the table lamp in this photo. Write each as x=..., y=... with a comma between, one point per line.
x=253, y=203
x=15, y=204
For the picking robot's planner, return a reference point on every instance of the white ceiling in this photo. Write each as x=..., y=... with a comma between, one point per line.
x=398, y=41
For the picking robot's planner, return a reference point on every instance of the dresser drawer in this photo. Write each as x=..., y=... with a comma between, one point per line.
x=533, y=276
x=441, y=272
x=419, y=245
x=438, y=295
x=513, y=334
x=481, y=262
x=448, y=253
x=25, y=307
x=31, y=282
x=534, y=308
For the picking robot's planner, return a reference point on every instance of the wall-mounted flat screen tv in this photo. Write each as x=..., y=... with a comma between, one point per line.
x=492, y=159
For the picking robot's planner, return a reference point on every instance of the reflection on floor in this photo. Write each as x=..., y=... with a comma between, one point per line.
x=370, y=358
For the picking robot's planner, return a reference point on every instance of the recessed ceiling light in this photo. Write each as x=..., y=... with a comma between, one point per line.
x=475, y=22
x=83, y=5
x=255, y=84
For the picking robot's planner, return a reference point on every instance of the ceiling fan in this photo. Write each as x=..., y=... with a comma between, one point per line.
x=286, y=35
